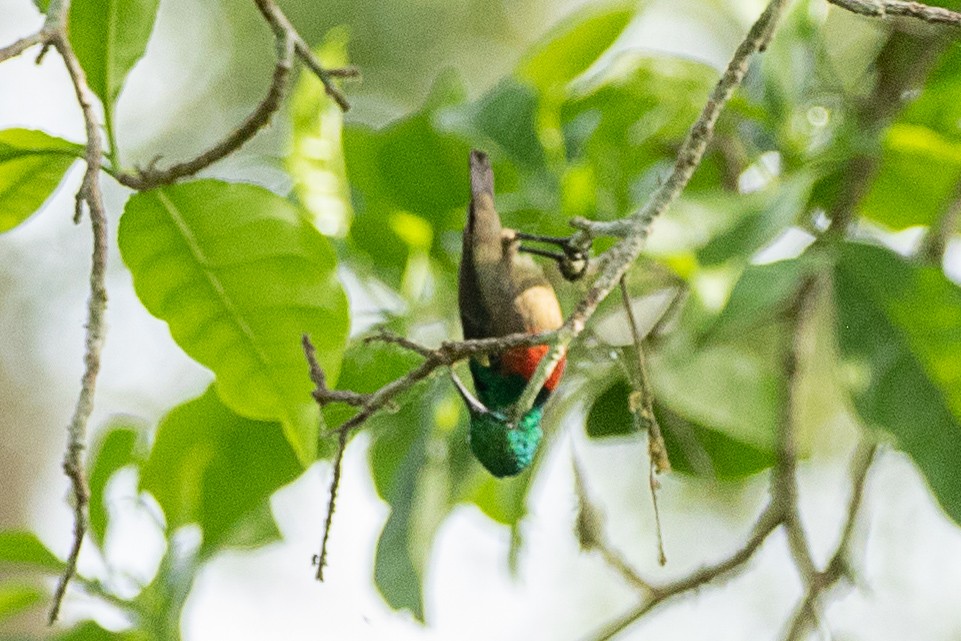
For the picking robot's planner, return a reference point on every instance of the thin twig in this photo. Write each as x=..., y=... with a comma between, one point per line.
x=331, y=501
x=642, y=409
x=784, y=485
x=634, y=229
x=90, y=194
x=279, y=22
x=288, y=43
x=21, y=45
x=769, y=520
x=886, y=8
x=590, y=534
x=837, y=568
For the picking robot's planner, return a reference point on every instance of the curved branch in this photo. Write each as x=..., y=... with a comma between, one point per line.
x=151, y=177
x=885, y=8
x=289, y=43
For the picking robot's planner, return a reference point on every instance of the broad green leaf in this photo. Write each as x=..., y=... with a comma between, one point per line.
x=410, y=463
x=761, y=295
x=109, y=37
x=254, y=530
x=761, y=217
x=239, y=275
x=899, y=329
x=212, y=467
x=32, y=164
x=692, y=448
x=24, y=548
x=573, y=46
x=316, y=159
x=397, y=458
x=115, y=449
x=16, y=598
x=699, y=450
x=924, y=159
x=733, y=387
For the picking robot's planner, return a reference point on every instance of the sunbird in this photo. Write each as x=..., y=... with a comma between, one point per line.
x=502, y=292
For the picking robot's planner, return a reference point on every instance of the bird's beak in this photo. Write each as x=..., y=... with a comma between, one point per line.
x=474, y=405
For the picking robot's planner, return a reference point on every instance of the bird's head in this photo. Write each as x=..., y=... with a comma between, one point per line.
x=504, y=447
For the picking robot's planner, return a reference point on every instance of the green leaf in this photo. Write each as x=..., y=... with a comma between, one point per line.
x=115, y=449
x=733, y=387
x=610, y=414
x=920, y=157
x=109, y=37
x=572, y=47
x=938, y=107
x=239, y=275
x=24, y=548
x=621, y=131
x=899, y=330
x=505, y=117
x=316, y=159
x=409, y=463
x=212, y=467
x=761, y=295
x=410, y=167
x=32, y=164
x=692, y=448
x=16, y=598
x=760, y=218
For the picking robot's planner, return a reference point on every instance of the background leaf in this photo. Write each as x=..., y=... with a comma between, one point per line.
x=32, y=164
x=109, y=37
x=200, y=451
x=16, y=598
x=240, y=275
x=899, y=328
x=24, y=548
x=114, y=449
x=574, y=46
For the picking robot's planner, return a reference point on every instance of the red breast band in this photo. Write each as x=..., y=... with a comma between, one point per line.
x=524, y=360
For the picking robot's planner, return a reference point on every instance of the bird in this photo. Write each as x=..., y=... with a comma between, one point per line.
x=502, y=291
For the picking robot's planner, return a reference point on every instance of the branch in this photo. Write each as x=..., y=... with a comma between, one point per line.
x=838, y=567
x=91, y=195
x=288, y=41
x=784, y=481
x=936, y=240
x=21, y=45
x=369, y=404
x=767, y=522
x=590, y=534
x=885, y=8
x=633, y=230
x=281, y=25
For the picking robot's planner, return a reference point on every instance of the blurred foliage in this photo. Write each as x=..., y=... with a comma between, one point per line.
x=578, y=128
